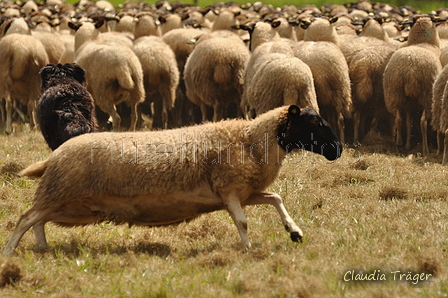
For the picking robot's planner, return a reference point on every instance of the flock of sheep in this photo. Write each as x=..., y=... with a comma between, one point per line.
x=369, y=65
x=287, y=69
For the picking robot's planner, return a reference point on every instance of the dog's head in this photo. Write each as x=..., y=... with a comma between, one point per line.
x=52, y=72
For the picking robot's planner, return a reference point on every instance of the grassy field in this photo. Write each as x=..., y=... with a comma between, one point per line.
x=371, y=213
x=424, y=6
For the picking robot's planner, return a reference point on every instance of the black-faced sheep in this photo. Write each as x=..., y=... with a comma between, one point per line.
x=408, y=80
x=173, y=175
x=65, y=109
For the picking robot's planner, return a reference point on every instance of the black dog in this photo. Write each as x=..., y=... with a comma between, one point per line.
x=65, y=109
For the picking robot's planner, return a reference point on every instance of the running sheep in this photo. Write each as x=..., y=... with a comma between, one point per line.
x=170, y=176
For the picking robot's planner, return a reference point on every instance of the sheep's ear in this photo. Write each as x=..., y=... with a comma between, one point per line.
x=99, y=23
x=333, y=20
x=73, y=26
x=294, y=112
x=79, y=73
x=8, y=24
x=305, y=24
x=275, y=23
x=184, y=16
x=248, y=27
x=194, y=40
x=162, y=19
x=294, y=22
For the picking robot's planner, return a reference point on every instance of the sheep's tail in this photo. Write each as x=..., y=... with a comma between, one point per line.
x=125, y=79
x=35, y=170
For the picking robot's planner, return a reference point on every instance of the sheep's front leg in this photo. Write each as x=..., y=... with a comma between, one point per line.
x=235, y=210
x=275, y=200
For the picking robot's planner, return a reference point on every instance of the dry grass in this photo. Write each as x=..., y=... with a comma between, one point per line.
x=364, y=212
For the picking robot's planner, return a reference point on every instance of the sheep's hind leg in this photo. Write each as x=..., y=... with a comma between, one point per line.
x=9, y=108
x=424, y=131
x=235, y=210
x=39, y=234
x=398, y=127
x=28, y=219
x=275, y=200
x=445, y=149
x=408, y=131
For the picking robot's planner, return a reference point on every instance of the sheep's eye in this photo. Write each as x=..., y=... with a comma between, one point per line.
x=315, y=121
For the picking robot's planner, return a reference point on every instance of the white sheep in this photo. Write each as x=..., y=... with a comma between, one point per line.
x=293, y=84
x=54, y=45
x=169, y=22
x=439, y=110
x=145, y=23
x=114, y=73
x=170, y=176
x=330, y=74
x=214, y=74
x=21, y=58
x=160, y=73
x=180, y=42
x=408, y=80
x=366, y=74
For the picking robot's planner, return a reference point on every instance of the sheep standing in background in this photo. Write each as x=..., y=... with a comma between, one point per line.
x=366, y=74
x=214, y=74
x=293, y=83
x=54, y=45
x=65, y=109
x=145, y=23
x=367, y=58
x=439, y=111
x=330, y=73
x=184, y=110
x=408, y=80
x=219, y=168
x=114, y=73
x=21, y=58
x=160, y=74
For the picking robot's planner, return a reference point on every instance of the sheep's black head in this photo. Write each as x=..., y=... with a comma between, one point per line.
x=52, y=72
x=305, y=129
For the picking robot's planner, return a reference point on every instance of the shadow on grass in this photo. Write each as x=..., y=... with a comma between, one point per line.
x=77, y=249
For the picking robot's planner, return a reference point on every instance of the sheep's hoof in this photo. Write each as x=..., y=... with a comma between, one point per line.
x=296, y=237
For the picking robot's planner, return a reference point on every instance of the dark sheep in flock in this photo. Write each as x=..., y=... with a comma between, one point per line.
x=225, y=166
x=65, y=109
